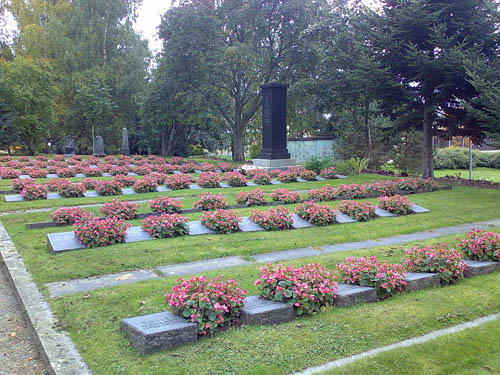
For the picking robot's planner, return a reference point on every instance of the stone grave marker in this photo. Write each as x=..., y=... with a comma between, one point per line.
x=421, y=280
x=299, y=223
x=480, y=268
x=159, y=331
x=247, y=225
x=353, y=294
x=99, y=146
x=125, y=147
x=258, y=311
x=69, y=146
x=63, y=241
x=383, y=213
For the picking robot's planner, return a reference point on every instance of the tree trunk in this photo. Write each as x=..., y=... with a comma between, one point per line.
x=163, y=140
x=237, y=143
x=428, y=165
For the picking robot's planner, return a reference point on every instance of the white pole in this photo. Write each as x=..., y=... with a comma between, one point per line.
x=470, y=159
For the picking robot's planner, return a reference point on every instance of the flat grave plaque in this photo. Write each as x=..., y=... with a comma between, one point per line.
x=52, y=175
x=159, y=331
x=196, y=228
x=341, y=176
x=177, y=172
x=247, y=225
x=276, y=182
x=132, y=174
x=319, y=178
x=258, y=311
x=418, y=209
x=194, y=186
x=13, y=198
x=128, y=191
x=90, y=194
x=480, y=268
x=353, y=294
x=80, y=175
x=163, y=189
x=135, y=234
x=251, y=183
x=299, y=223
x=343, y=218
x=383, y=213
x=54, y=196
x=63, y=241
x=421, y=280
x=299, y=179
x=24, y=176
x=106, y=174
x=197, y=171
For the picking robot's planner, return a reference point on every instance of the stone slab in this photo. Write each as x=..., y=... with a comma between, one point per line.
x=64, y=241
x=251, y=183
x=299, y=179
x=421, y=280
x=62, y=288
x=54, y=196
x=341, y=176
x=163, y=189
x=258, y=311
x=299, y=223
x=159, y=331
x=90, y=194
x=348, y=295
x=319, y=178
x=276, y=182
x=201, y=266
x=13, y=198
x=52, y=175
x=106, y=174
x=343, y=218
x=197, y=171
x=247, y=225
x=287, y=254
x=196, y=228
x=24, y=176
x=128, y=191
x=477, y=268
x=383, y=213
x=418, y=209
x=194, y=186
x=80, y=175
x=135, y=234
x=224, y=185
x=132, y=174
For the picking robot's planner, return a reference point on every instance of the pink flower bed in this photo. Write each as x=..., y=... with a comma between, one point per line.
x=143, y=170
x=14, y=164
x=166, y=205
x=33, y=192
x=125, y=180
x=179, y=181
x=96, y=231
x=34, y=172
x=324, y=193
x=209, y=180
x=9, y=173
x=384, y=188
x=72, y=191
x=253, y=197
x=188, y=168
x=57, y=184
x=481, y=245
x=92, y=172
x=89, y=183
x=42, y=158
x=19, y=184
x=221, y=221
x=177, y=160
x=308, y=175
x=212, y=304
x=397, y=204
x=226, y=167
x=108, y=188
x=351, y=191
x=120, y=209
x=208, y=202
x=387, y=278
x=146, y=185
x=165, y=168
x=284, y=195
x=328, y=173
x=447, y=262
x=207, y=167
x=24, y=159
x=159, y=178
x=166, y=225
x=287, y=176
x=69, y=215
x=307, y=289
x=316, y=214
x=120, y=170
x=360, y=211
x=277, y=218
x=235, y=179
x=66, y=172
x=59, y=158
x=262, y=178
x=408, y=184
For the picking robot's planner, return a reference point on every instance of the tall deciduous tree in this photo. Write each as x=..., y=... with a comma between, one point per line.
x=423, y=41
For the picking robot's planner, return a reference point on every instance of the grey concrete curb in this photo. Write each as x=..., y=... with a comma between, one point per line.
x=54, y=345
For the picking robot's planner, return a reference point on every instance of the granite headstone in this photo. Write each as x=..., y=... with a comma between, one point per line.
x=99, y=146
x=125, y=147
x=69, y=145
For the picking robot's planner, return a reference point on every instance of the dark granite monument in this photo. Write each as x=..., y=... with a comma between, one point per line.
x=258, y=311
x=69, y=145
x=99, y=146
x=274, y=154
x=125, y=148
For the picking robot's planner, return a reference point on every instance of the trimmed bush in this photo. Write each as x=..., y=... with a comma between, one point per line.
x=166, y=225
x=57, y=184
x=360, y=211
x=89, y=183
x=262, y=178
x=226, y=167
x=221, y=221
x=328, y=173
x=278, y=218
x=96, y=231
x=69, y=215
x=212, y=304
x=316, y=214
x=308, y=175
x=120, y=170
x=208, y=202
x=92, y=172
x=165, y=205
x=120, y=209
x=9, y=173
x=308, y=289
x=288, y=176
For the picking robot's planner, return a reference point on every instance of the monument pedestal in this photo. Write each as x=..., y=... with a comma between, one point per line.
x=271, y=164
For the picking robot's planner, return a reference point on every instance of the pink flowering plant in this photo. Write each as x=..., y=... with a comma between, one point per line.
x=66, y=172
x=207, y=167
x=328, y=173
x=9, y=173
x=209, y=201
x=92, y=172
x=360, y=211
x=33, y=192
x=262, y=178
x=383, y=188
x=72, y=190
x=96, y=231
x=69, y=215
x=447, y=262
x=120, y=209
x=351, y=191
x=308, y=175
x=120, y=170
x=235, y=179
x=125, y=180
x=14, y=164
x=146, y=185
x=226, y=167
x=316, y=214
x=165, y=168
x=323, y=194
x=166, y=205
x=284, y=195
x=177, y=160
x=255, y=197
x=166, y=225
x=24, y=159
x=108, y=188
x=143, y=170
x=209, y=180
x=408, y=184
x=481, y=245
x=397, y=204
x=89, y=183
x=57, y=184
x=188, y=168
x=18, y=184
x=288, y=176
x=34, y=172
x=212, y=304
x=159, y=178
x=179, y=181
x=387, y=278
x=278, y=218
x=308, y=289
x=221, y=221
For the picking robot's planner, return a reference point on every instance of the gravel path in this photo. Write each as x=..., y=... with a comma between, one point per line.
x=18, y=353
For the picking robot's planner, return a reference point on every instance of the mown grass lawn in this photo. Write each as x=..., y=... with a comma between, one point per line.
x=93, y=322
x=473, y=351
x=489, y=174
x=461, y=205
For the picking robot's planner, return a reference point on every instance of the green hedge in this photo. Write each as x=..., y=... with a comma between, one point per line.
x=458, y=158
